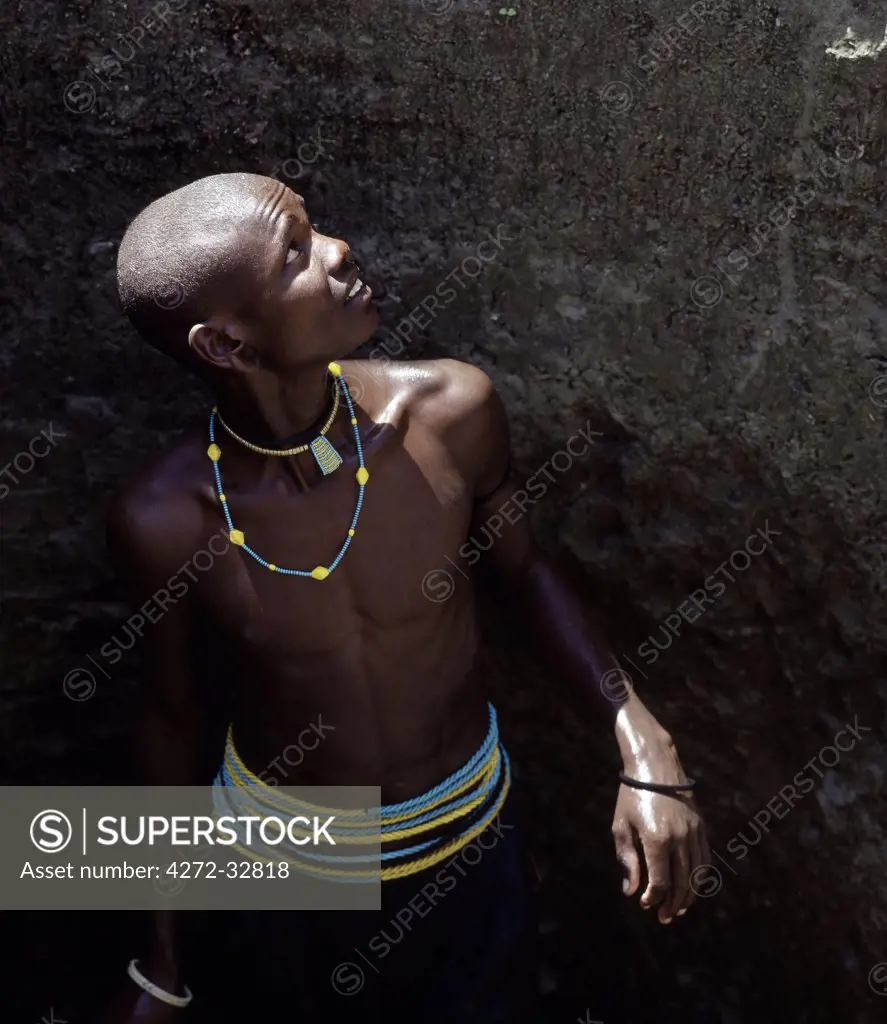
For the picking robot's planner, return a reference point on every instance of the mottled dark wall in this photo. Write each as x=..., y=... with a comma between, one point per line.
x=696, y=200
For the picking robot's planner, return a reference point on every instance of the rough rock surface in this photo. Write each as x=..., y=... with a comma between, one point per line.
x=694, y=197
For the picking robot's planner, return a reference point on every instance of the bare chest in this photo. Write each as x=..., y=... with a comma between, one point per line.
x=414, y=516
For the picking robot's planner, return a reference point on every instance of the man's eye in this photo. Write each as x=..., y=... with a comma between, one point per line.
x=294, y=252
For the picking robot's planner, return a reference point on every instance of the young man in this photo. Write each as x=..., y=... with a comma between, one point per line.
x=229, y=277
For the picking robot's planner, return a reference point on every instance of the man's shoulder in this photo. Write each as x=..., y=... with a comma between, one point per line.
x=464, y=384
x=158, y=514
x=442, y=389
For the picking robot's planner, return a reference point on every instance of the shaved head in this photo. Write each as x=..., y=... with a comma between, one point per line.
x=228, y=276
x=181, y=254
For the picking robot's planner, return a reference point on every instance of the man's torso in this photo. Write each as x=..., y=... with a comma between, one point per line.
x=371, y=656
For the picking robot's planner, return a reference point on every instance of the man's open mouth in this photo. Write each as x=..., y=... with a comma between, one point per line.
x=356, y=290
x=356, y=287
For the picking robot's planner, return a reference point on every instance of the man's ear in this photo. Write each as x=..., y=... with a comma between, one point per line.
x=220, y=349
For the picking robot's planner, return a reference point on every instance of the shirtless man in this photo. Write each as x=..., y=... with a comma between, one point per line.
x=229, y=277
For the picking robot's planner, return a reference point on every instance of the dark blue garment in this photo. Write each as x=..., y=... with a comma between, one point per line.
x=452, y=945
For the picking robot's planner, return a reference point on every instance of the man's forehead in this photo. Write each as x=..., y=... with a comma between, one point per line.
x=258, y=238
x=281, y=194
x=299, y=201
x=279, y=204
x=266, y=215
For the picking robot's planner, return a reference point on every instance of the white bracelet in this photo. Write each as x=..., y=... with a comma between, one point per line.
x=155, y=990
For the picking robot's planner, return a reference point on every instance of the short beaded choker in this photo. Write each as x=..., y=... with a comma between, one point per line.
x=325, y=455
x=237, y=537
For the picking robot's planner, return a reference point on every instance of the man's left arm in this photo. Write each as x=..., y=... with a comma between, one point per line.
x=669, y=827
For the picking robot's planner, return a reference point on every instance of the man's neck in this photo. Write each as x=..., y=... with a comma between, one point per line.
x=271, y=409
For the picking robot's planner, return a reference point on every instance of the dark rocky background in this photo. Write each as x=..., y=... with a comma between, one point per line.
x=752, y=396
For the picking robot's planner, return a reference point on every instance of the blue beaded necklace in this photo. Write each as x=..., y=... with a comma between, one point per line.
x=237, y=537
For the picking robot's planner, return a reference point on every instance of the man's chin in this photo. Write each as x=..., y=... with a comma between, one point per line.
x=369, y=323
x=360, y=330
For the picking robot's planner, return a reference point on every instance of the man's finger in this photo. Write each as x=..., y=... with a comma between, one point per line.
x=680, y=880
x=697, y=839
x=703, y=842
x=656, y=853
x=628, y=858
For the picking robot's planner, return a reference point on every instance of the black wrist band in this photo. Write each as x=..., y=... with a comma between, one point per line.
x=657, y=787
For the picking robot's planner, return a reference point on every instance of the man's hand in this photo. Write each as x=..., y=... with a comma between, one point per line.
x=669, y=827
x=672, y=835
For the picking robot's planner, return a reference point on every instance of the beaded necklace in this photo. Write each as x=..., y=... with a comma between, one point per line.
x=237, y=537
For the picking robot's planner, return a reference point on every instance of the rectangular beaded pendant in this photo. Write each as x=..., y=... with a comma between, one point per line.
x=325, y=455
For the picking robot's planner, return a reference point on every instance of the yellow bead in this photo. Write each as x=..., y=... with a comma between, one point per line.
x=222, y=497
x=351, y=533
x=273, y=568
x=214, y=452
x=236, y=537
x=354, y=421
x=362, y=476
x=335, y=369
x=320, y=573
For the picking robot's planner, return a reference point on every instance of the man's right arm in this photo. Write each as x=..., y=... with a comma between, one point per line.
x=148, y=542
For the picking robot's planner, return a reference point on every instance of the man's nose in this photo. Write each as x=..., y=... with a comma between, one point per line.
x=339, y=252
